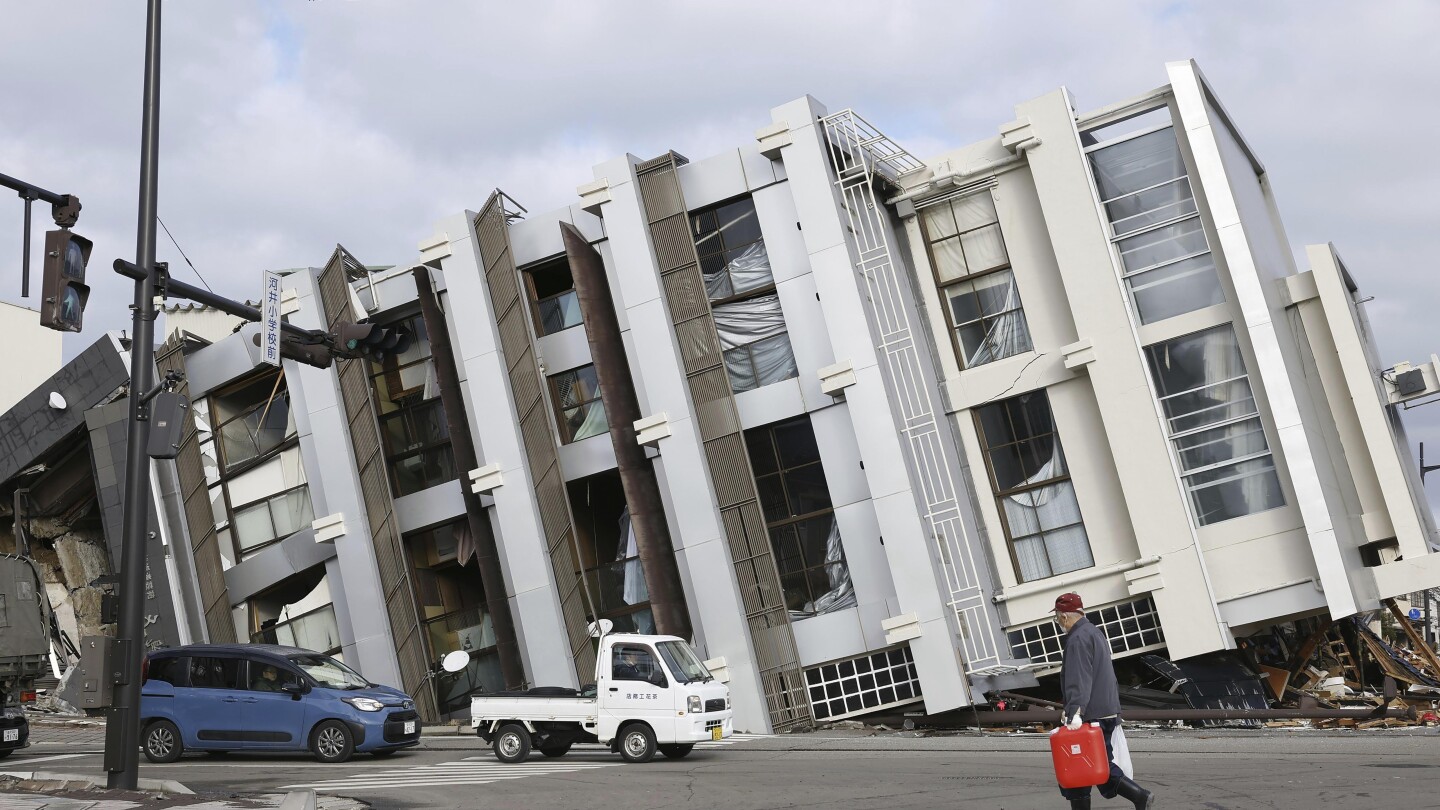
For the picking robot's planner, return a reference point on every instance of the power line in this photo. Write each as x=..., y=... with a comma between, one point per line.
x=182, y=254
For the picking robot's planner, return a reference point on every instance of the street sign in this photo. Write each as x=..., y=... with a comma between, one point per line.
x=1414, y=614
x=270, y=319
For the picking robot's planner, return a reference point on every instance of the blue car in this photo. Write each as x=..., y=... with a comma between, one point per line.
x=264, y=697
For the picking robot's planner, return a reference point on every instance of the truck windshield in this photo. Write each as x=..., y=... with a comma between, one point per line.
x=682, y=662
x=330, y=673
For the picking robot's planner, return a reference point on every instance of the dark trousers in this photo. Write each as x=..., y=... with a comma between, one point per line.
x=1111, y=787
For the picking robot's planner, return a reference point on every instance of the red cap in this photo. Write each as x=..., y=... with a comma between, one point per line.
x=1069, y=603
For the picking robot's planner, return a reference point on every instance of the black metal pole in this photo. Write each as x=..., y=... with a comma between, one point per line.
x=25, y=260
x=122, y=732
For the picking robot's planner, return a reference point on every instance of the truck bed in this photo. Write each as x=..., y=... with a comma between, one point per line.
x=530, y=706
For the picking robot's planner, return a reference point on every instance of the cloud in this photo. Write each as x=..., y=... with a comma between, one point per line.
x=289, y=126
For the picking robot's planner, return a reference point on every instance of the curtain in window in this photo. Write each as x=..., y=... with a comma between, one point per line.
x=591, y=420
x=1046, y=523
x=633, y=591
x=842, y=591
x=749, y=269
x=1007, y=334
x=758, y=325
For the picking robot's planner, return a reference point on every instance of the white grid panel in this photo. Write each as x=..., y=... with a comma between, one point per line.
x=859, y=152
x=1131, y=627
x=863, y=684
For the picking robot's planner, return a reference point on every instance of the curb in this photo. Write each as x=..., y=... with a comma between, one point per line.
x=86, y=782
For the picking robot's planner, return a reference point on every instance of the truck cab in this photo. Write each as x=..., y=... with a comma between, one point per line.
x=651, y=694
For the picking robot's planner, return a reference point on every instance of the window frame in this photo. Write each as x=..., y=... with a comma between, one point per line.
x=534, y=300
x=558, y=407
x=241, y=553
x=986, y=453
x=941, y=286
x=772, y=527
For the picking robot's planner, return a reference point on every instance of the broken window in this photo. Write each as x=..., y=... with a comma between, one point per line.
x=1032, y=487
x=804, y=536
x=451, y=599
x=972, y=269
x=741, y=289
x=296, y=612
x=576, y=397
x=412, y=418
x=1145, y=190
x=1214, y=424
x=554, y=303
x=250, y=452
x=609, y=558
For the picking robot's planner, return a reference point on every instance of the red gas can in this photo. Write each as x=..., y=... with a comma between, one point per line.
x=1080, y=756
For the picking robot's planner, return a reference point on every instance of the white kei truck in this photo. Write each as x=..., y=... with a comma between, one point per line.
x=651, y=693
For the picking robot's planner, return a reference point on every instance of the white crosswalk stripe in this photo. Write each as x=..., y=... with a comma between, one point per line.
x=480, y=770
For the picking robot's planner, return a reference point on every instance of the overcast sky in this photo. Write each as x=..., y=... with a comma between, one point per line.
x=290, y=125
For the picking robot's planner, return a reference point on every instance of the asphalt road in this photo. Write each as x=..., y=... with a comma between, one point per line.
x=1215, y=770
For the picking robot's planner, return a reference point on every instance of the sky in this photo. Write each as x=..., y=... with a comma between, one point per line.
x=288, y=126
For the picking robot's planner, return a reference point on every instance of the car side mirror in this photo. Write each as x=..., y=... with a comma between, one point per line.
x=295, y=689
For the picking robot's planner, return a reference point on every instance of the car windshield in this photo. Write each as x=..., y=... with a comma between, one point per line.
x=328, y=672
x=683, y=663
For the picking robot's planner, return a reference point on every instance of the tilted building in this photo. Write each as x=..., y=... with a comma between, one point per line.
x=848, y=418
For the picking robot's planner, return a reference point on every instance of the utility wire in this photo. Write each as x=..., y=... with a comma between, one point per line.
x=182, y=253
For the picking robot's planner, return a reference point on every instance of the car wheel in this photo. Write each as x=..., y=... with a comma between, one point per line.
x=386, y=753
x=637, y=743
x=676, y=751
x=512, y=743
x=331, y=741
x=555, y=750
x=162, y=742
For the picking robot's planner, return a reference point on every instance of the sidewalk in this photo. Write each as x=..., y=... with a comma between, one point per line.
x=57, y=791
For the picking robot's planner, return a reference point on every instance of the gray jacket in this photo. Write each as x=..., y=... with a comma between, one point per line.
x=1087, y=676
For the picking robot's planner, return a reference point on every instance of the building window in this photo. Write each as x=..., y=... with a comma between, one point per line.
x=971, y=265
x=1130, y=627
x=576, y=395
x=1032, y=486
x=804, y=536
x=863, y=684
x=451, y=599
x=1145, y=189
x=609, y=554
x=296, y=612
x=1214, y=424
x=741, y=289
x=555, y=305
x=250, y=453
x=412, y=419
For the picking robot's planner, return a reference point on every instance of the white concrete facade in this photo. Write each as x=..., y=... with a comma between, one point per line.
x=41, y=358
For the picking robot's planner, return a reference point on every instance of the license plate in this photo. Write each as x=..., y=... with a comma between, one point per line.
x=12, y=735
x=715, y=732
x=409, y=726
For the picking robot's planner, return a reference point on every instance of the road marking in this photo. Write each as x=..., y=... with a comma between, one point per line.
x=31, y=760
x=465, y=772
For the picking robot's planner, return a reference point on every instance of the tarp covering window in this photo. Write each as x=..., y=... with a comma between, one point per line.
x=755, y=343
x=841, y=594
x=744, y=270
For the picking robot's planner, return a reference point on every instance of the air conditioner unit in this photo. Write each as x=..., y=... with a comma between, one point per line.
x=1406, y=382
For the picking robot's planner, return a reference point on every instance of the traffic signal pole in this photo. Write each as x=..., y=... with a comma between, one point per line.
x=122, y=731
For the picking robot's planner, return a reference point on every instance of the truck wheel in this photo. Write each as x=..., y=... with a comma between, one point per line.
x=331, y=741
x=555, y=749
x=162, y=742
x=676, y=751
x=637, y=743
x=512, y=743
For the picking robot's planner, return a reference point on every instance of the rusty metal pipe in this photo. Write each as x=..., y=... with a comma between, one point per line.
x=637, y=475
x=487, y=554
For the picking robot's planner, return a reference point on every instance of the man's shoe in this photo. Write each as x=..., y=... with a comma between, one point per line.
x=1140, y=797
x=1080, y=804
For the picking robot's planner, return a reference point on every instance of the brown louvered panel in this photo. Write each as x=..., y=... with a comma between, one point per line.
x=536, y=423
x=685, y=293
x=661, y=195
x=218, y=616
x=699, y=344
x=673, y=248
x=402, y=612
x=714, y=408
x=728, y=471
x=719, y=425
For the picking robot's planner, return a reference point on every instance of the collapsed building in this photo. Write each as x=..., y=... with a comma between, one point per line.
x=848, y=418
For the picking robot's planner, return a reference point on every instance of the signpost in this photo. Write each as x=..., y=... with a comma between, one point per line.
x=270, y=320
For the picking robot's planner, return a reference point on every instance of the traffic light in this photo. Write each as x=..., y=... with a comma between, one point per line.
x=63, y=292
x=371, y=340
x=311, y=354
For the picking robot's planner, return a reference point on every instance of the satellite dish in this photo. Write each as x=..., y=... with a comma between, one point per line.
x=601, y=628
x=455, y=661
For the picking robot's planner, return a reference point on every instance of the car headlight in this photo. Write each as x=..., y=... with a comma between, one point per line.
x=364, y=704
x=695, y=705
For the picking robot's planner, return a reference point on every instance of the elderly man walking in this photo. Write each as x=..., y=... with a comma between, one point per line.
x=1092, y=694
